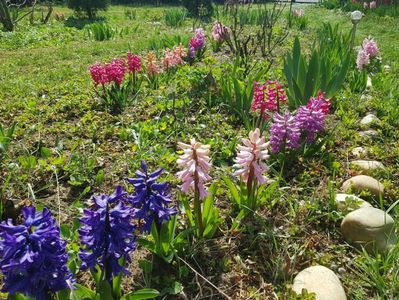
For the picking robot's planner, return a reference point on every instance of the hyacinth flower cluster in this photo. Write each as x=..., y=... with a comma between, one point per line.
x=174, y=57
x=268, y=98
x=288, y=131
x=196, y=45
x=366, y=53
x=298, y=12
x=151, y=199
x=220, y=33
x=251, y=167
x=116, y=86
x=107, y=234
x=195, y=165
x=33, y=258
x=371, y=5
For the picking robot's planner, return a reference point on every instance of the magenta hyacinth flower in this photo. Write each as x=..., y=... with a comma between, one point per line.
x=250, y=158
x=133, y=63
x=268, y=97
x=284, y=132
x=195, y=165
x=321, y=102
x=116, y=70
x=197, y=42
x=98, y=74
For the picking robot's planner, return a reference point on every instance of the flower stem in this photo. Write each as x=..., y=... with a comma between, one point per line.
x=198, y=213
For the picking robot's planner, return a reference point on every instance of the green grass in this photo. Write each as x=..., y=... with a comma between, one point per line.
x=45, y=87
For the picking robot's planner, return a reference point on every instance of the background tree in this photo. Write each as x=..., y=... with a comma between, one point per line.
x=89, y=7
x=199, y=8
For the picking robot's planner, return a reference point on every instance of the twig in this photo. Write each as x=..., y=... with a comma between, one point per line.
x=206, y=280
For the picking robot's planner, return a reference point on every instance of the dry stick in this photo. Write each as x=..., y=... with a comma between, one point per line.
x=58, y=196
x=214, y=286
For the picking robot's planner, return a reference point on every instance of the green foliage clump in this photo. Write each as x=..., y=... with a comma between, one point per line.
x=199, y=8
x=89, y=7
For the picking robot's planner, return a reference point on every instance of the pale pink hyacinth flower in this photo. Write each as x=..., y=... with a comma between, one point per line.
x=362, y=60
x=370, y=46
x=250, y=158
x=365, y=5
x=373, y=4
x=195, y=165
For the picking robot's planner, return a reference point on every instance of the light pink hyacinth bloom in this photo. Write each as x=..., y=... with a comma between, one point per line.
x=373, y=4
x=363, y=59
x=195, y=165
x=370, y=46
x=250, y=158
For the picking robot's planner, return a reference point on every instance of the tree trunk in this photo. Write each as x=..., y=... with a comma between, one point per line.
x=5, y=17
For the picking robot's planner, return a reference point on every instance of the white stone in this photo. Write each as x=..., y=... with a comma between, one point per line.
x=369, y=227
x=321, y=281
x=359, y=151
x=364, y=183
x=370, y=119
x=346, y=202
x=367, y=165
x=371, y=133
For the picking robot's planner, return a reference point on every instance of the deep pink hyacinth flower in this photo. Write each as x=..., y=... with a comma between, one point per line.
x=251, y=156
x=195, y=165
x=268, y=97
x=373, y=4
x=98, y=74
x=371, y=48
x=133, y=63
x=284, y=132
x=116, y=70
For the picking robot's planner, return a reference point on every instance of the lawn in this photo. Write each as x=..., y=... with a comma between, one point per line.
x=67, y=147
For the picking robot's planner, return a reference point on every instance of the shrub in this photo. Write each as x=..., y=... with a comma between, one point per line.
x=89, y=7
x=199, y=8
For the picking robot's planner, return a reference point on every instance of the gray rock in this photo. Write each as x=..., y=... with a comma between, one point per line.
x=367, y=165
x=371, y=133
x=359, y=151
x=364, y=183
x=321, y=281
x=346, y=202
x=369, y=120
x=369, y=227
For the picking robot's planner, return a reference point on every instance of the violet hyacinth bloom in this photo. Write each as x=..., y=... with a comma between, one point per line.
x=151, y=199
x=311, y=119
x=107, y=234
x=285, y=132
x=195, y=164
x=33, y=256
x=251, y=156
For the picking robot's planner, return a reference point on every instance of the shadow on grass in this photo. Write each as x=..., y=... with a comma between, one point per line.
x=81, y=22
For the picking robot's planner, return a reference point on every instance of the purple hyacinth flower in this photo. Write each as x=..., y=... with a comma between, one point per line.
x=151, y=199
x=311, y=119
x=285, y=132
x=33, y=256
x=107, y=234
